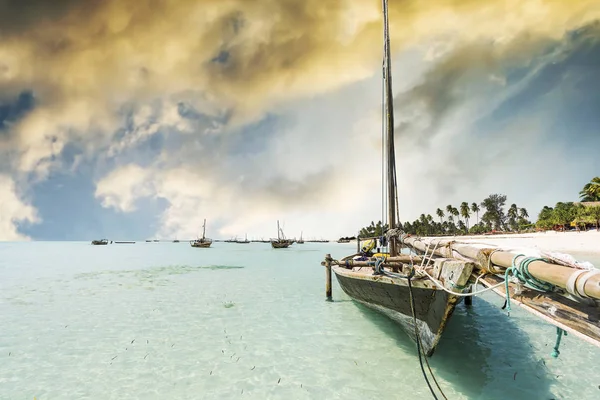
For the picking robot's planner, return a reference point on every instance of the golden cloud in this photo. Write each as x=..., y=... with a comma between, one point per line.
x=85, y=58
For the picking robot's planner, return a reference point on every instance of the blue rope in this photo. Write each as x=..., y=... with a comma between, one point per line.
x=521, y=272
x=378, y=263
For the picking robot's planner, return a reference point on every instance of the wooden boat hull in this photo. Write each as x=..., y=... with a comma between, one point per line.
x=390, y=297
x=280, y=245
x=202, y=245
x=99, y=242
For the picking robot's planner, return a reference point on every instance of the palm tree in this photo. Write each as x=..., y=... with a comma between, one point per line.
x=449, y=211
x=475, y=208
x=591, y=191
x=523, y=213
x=464, y=212
x=440, y=213
x=513, y=213
x=455, y=212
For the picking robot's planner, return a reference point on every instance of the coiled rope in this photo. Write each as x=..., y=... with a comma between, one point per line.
x=520, y=271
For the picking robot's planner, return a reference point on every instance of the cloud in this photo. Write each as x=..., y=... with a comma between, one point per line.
x=13, y=211
x=267, y=107
x=86, y=59
x=491, y=118
x=286, y=164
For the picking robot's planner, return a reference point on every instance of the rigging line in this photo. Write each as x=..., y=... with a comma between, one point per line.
x=419, y=347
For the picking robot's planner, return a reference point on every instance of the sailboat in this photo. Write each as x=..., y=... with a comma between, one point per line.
x=415, y=302
x=421, y=291
x=203, y=242
x=281, y=242
x=300, y=241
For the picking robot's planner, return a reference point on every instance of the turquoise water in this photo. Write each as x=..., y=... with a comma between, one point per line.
x=164, y=320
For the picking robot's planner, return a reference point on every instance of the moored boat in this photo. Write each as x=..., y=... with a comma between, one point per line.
x=421, y=291
x=408, y=297
x=202, y=242
x=421, y=303
x=101, y=242
x=281, y=242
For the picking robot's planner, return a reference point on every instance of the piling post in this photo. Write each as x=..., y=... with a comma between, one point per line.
x=328, y=276
x=469, y=299
x=357, y=243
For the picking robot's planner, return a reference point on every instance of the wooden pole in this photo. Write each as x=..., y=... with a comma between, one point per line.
x=357, y=243
x=389, y=261
x=328, y=276
x=555, y=274
x=468, y=299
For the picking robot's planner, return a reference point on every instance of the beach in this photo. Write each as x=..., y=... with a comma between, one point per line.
x=566, y=242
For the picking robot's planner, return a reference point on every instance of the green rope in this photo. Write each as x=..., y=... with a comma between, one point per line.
x=521, y=272
x=559, y=333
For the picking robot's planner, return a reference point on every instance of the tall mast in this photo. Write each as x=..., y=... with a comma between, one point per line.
x=204, y=229
x=389, y=126
x=278, y=235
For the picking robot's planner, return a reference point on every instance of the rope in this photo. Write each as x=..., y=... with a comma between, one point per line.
x=378, y=269
x=420, y=346
x=559, y=333
x=521, y=273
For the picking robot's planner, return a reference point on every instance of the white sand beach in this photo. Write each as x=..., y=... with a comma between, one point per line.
x=576, y=242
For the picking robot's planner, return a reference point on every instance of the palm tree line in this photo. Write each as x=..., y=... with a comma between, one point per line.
x=456, y=221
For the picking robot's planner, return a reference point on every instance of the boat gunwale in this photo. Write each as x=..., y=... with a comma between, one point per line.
x=421, y=283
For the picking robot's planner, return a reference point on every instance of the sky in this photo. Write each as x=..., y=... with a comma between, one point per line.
x=136, y=119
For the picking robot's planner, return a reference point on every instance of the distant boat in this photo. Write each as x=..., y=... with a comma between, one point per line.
x=175, y=241
x=124, y=242
x=148, y=241
x=245, y=241
x=203, y=242
x=300, y=241
x=343, y=240
x=102, y=242
x=281, y=242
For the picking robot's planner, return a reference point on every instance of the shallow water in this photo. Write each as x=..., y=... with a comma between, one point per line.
x=164, y=320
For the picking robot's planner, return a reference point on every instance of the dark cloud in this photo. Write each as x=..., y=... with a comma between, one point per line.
x=18, y=17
